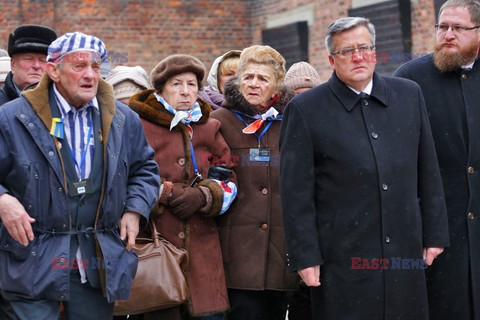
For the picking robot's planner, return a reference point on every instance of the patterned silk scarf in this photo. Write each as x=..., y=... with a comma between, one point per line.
x=186, y=117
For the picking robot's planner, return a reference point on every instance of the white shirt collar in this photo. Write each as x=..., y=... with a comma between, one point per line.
x=367, y=90
x=66, y=107
x=469, y=66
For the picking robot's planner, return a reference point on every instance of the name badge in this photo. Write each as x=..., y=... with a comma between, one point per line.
x=259, y=154
x=79, y=188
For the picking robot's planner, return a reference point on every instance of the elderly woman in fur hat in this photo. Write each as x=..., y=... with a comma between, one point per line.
x=186, y=144
x=251, y=235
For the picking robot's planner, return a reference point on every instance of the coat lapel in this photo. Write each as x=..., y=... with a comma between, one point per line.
x=349, y=99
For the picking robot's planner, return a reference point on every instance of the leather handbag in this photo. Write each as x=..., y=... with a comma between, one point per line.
x=160, y=282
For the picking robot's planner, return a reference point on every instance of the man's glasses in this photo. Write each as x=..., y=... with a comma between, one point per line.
x=443, y=28
x=348, y=52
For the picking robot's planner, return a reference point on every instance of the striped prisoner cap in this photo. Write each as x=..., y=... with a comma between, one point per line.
x=75, y=41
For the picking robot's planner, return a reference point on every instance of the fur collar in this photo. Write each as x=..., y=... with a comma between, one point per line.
x=149, y=108
x=235, y=101
x=38, y=99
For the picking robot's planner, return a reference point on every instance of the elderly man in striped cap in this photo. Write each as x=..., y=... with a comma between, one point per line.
x=76, y=178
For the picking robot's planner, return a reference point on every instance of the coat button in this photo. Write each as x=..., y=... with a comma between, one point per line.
x=264, y=226
x=374, y=135
x=181, y=162
x=384, y=187
x=181, y=235
x=471, y=170
x=365, y=102
x=59, y=189
x=471, y=216
x=264, y=191
x=464, y=76
x=50, y=153
x=387, y=239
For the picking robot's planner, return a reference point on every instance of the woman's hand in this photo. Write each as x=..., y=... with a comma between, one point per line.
x=185, y=201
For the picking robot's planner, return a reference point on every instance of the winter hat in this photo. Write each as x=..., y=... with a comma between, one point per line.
x=30, y=38
x=302, y=75
x=176, y=64
x=136, y=74
x=75, y=41
x=4, y=68
x=126, y=89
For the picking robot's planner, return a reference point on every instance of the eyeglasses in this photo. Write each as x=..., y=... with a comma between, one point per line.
x=348, y=52
x=456, y=29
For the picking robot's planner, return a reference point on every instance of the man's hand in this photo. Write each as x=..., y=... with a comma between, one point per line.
x=429, y=254
x=129, y=226
x=16, y=219
x=311, y=276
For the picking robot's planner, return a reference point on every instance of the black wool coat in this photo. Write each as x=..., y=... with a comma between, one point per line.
x=360, y=180
x=8, y=91
x=453, y=105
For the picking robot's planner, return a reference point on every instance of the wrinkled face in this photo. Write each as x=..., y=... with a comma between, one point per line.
x=454, y=48
x=76, y=77
x=181, y=91
x=258, y=85
x=232, y=72
x=27, y=68
x=356, y=69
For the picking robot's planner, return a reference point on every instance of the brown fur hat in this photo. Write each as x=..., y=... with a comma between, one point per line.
x=176, y=64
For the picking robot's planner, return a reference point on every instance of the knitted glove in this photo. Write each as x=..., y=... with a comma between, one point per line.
x=185, y=201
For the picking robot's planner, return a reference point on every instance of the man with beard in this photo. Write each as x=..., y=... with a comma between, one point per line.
x=450, y=81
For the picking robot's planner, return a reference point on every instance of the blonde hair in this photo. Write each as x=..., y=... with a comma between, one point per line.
x=263, y=55
x=228, y=64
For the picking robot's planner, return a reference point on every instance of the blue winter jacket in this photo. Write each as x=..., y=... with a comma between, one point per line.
x=32, y=171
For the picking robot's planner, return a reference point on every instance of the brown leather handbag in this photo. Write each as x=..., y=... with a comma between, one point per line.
x=159, y=282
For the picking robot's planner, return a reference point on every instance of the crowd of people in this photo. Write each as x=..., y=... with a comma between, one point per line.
x=356, y=198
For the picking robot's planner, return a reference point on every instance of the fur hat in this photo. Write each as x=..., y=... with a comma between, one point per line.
x=176, y=64
x=30, y=38
x=302, y=75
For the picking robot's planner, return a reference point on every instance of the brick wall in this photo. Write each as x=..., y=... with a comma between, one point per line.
x=149, y=30
x=146, y=30
x=423, y=30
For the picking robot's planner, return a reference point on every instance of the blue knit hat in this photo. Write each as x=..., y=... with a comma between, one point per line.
x=75, y=41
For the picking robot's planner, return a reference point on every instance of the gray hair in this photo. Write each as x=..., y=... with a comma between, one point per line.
x=347, y=23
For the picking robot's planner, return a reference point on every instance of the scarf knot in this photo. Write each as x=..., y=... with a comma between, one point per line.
x=184, y=116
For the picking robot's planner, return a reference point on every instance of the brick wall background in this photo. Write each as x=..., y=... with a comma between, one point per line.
x=146, y=30
x=149, y=30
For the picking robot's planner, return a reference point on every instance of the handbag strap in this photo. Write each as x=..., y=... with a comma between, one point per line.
x=155, y=234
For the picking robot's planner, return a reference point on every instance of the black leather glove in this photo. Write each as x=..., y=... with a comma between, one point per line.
x=219, y=172
x=185, y=200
